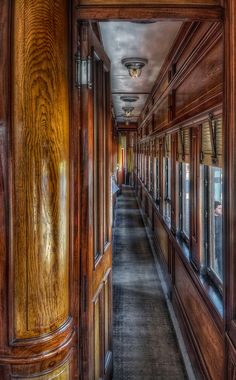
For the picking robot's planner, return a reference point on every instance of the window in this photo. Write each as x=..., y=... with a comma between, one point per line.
x=147, y=171
x=157, y=188
x=212, y=195
x=151, y=176
x=213, y=231
x=167, y=179
x=184, y=198
x=183, y=158
x=167, y=188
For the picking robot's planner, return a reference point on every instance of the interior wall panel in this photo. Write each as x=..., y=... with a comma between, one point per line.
x=40, y=168
x=209, y=339
x=149, y=2
x=38, y=337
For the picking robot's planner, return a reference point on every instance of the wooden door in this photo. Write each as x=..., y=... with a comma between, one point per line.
x=96, y=249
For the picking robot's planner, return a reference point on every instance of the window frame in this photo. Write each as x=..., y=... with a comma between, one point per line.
x=182, y=234
x=166, y=188
x=207, y=270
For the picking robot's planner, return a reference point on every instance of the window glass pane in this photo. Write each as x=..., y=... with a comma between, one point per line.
x=157, y=179
x=186, y=199
x=215, y=209
x=151, y=176
x=167, y=188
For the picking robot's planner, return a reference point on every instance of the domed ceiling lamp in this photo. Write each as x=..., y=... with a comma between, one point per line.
x=129, y=98
x=128, y=111
x=134, y=66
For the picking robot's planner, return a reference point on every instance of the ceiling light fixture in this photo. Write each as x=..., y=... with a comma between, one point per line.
x=129, y=98
x=134, y=66
x=128, y=111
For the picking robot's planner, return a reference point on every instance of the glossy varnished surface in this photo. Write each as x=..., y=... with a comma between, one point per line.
x=149, y=2
x=40, y=178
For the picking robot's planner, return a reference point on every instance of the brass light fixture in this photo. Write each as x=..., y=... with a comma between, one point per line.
x=134, y=66
x=129, y=98
x=128, y=111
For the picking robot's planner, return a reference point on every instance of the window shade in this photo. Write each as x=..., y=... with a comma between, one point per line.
x=167, y=146
x=157, y=147
x=211, y=143
x=183, y=154
x=219, y=142
x=206, y=144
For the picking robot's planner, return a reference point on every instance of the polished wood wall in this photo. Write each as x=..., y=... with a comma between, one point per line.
x=230, y=165
x=38, y=336
x=188, y=89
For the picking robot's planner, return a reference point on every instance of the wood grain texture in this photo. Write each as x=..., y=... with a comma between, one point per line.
x=162, y=237
x=4, y=129
x=209, y=340
x=149, y=2
x=210, y=70
x=40, y=178
x=149, y=12
x=194, y=69
x=230, y=170
x=61, y=373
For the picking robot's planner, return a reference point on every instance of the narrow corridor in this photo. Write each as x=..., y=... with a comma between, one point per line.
x=144, y=342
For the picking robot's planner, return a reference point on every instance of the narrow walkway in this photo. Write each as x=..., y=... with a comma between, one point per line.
x=144, y=343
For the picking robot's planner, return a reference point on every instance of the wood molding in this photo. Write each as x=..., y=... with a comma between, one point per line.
x=151, y=12
x=213, y=35
x=230, y=170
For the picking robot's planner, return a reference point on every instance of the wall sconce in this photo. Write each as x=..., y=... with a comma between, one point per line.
x=134, y=66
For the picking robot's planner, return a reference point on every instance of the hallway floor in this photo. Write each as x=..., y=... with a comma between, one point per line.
x=144, y=342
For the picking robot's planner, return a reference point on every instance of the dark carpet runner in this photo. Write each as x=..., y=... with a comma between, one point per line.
x=144, y=343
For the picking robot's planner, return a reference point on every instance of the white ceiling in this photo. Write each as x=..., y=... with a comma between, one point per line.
x=127, y=39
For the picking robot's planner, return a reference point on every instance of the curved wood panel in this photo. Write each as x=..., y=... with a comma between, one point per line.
x=61, y=373
x=148, y=2
x=40, y=176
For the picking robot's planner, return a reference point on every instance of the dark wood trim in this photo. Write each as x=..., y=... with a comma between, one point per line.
x=200, y=51
x=195, y=197
x=151, y=12
x=230, y=169
x=181, y=249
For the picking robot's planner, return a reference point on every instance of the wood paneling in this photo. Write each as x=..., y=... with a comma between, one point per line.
x=197, y=84
x=149, y=2
x=161, y=114
x=162, y=237
x=95, y=213
x=209, y=340
x=194, y=88
x=210, y=70
x=62, y=373
x=148, y=12
x=231, y=360
x=36, y=293
x=40, y=174
x=229, y=132
x=196, y=34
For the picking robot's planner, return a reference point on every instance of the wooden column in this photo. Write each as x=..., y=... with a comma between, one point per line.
x=37, y=333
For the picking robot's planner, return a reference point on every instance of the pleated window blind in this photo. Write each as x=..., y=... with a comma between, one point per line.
x=183, y=154
x=211, y=143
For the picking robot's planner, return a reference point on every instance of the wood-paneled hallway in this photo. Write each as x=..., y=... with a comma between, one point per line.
x=99, y=96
